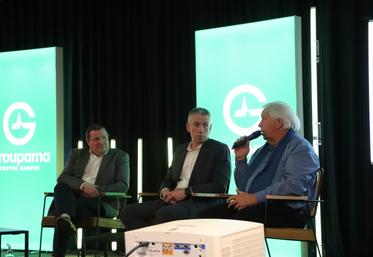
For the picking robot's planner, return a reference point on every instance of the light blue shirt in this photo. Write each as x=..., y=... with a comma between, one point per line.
x=295, y=173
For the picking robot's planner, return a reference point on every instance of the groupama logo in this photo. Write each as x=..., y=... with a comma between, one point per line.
x=10, y=128
x=244, y=110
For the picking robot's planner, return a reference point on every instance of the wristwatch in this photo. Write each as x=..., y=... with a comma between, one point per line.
x=188, y=192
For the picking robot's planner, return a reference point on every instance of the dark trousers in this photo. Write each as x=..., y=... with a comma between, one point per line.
x=66, y=200
x=278, y=215
x=148, y=213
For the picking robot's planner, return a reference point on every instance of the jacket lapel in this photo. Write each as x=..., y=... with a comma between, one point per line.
x=199, y=160
x=104, y=163
x=83, y=160
x=180, y=163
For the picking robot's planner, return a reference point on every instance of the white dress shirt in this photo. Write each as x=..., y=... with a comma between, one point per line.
x=91, y=169
x=189, y=161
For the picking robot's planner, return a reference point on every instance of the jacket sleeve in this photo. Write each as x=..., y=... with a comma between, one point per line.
x=215, y=170
x=121, y=174
x=73, y=170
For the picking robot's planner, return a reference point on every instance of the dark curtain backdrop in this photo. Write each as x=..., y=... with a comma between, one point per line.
x=344, y=106
x=129, y=64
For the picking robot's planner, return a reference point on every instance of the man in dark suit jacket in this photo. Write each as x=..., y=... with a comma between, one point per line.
x=87, y=173
x=202, y=165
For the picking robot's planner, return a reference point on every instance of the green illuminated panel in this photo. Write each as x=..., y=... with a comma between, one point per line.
x=239, y=69
x=31, y=138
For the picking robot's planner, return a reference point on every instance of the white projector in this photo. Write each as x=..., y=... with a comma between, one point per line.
x=198, y=238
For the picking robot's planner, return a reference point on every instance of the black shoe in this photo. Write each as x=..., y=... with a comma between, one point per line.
x=65, y=225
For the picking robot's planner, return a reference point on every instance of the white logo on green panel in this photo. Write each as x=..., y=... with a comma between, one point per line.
x=19, y=128
x=243, y=111
x=20, y=108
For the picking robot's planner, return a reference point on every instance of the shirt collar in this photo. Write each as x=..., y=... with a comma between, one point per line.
x=95, y=156
x=190, y=147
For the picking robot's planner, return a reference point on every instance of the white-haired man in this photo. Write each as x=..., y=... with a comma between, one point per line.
x=285, y=165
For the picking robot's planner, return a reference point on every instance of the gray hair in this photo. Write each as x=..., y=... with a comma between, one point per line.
x=283, y=111
x=199, y=110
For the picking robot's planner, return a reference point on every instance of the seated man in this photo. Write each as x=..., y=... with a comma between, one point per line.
x=201, y=165
x=87, y=173
x=284, y=165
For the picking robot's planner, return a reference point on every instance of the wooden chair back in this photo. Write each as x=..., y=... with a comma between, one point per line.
x=307, y=233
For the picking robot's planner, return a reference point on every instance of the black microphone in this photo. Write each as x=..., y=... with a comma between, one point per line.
x=244, y=139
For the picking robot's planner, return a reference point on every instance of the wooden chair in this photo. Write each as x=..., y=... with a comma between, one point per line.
x=299, y=234
x=306, y=234
x=97, y=222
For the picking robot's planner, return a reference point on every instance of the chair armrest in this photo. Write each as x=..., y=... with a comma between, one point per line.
x=114, y=195
x=287, y=197
x=295, y=198
x=148, y=194
x=204, y=195
x=102, y=194
x=211, y=195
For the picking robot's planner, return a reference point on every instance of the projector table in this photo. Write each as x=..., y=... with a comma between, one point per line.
x=9, y=231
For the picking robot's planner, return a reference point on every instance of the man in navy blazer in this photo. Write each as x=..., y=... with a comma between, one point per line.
x=201, y=165
x=87, y=173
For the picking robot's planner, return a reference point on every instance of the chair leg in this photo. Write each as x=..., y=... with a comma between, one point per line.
x=314, y=234
x=40, y=239
x=106, y=249
x=84, y=247
x=269, y=253
x=317, y=246
x=96, y=248
x=79, y=251
x=96, y=243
